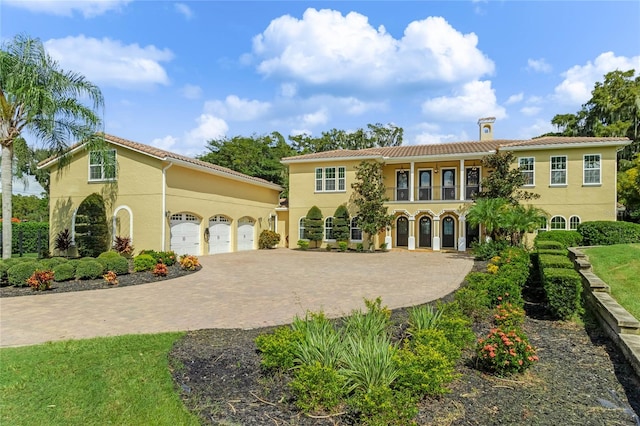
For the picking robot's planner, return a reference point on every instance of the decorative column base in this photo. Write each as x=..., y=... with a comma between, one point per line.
x=436, y=243
x=462, y=244
x=412, y=243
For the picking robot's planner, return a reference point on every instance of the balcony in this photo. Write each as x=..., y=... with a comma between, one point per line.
x=432, y=193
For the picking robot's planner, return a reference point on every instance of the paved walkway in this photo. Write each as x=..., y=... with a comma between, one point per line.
x=236, y=290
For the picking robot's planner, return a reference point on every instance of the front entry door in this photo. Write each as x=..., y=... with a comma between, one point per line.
x=448, y=232
x=402, y=232
x=424, y=239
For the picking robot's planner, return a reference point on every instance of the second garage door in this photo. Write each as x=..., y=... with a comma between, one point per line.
x=219, y=234
x=245, y=233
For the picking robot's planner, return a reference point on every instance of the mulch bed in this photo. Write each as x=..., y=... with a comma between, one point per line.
x=134, y=278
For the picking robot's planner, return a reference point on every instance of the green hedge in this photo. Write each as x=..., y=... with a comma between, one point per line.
x=18, y=274
x=554, y=261
x=605, y=233
x=563, y=288
x=557, y=252
x=566, y=238
x=548, y=244
x=33, y=237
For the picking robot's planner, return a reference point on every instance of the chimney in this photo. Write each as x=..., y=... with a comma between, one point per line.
x=486, y=128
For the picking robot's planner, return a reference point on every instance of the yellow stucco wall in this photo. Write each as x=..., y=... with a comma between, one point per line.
x=135, y=198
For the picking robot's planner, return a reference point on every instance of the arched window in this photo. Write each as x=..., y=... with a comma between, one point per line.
x=301, y=235
x=543, y=225
x=328, y=228
x=558, y=222
x=356, y=233
x=574, y=221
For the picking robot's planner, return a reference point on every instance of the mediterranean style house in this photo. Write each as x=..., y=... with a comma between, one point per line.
x=162, y=200
x=430, y=187
x=166, y=201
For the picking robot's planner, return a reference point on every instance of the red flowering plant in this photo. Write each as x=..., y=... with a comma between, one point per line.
x=40, y=280
x=507, y=315
x=189, y=262
x=111, y=278
x=160, y=270
x=505, y=352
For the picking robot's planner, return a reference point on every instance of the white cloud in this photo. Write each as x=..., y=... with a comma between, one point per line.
x=191, y=91
x=209, y=127
x=530, y=110
x=476, y=99
x=579, y=80
x=315, y=118
x=288, y=90
x=432, y=133
x=167, y=143
x=327, y=48
x=88, y=8
x=109, y=62
x=538, y=65
x=184, y=10
x=539, y=127
x=514, y=99
x=236, y=109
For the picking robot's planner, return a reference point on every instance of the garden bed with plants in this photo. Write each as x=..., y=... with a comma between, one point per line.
x=571, y=374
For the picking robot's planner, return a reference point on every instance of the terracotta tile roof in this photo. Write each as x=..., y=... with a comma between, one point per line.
x=167, y=155
x=453, y=148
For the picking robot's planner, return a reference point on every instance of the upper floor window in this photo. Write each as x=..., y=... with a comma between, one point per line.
x=102, y=165
x=356, y=232
x=574, y=221
x=527, y=169
x=328, y=228
x=330, y=179
x=591, y=168
x=559, y=170
x=558, y=222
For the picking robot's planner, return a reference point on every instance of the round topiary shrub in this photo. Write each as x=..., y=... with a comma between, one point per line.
x=89, y=270
x=64, y=272
x=118, y=264
x=143, y=262
x=20, y=273
x=52, y=262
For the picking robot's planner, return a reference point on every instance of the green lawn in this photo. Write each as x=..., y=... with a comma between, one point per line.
x=116, y=380
x=619, y=266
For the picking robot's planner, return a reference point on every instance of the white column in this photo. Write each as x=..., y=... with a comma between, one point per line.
x=411, y=184
x=436, y=233
x=387, y=238
x=462, y=240
x=412, y=238
x=462, y=180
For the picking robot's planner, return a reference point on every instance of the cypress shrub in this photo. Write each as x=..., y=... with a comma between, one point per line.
x=92, y=232
x=341, y=224
x=314, y=225
x=563, y=288
x=608, y=233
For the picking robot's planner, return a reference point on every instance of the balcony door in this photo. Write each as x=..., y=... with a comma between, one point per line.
x=402, y=185
x=425, y=185
x=472, y=187
x=449, y=184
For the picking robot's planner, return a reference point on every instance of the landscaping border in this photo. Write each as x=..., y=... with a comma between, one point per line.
x=622, y=327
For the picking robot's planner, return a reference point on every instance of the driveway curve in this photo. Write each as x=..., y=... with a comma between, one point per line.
x=237, y=290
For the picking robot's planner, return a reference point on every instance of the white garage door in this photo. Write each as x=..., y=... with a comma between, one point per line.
x=185, y=234
x=219, y=235
x=245, y=234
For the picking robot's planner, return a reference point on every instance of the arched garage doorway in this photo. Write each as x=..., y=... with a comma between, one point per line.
x=246, y=233
x=219, y=234
x=185, y=233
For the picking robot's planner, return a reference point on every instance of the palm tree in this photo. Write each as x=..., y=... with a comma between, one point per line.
x=489, y=212
x=47, y=102
x=519, y=220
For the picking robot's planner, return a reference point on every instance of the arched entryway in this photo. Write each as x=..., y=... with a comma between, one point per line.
x=448, y=232
x=424, y=232
x=402, y=232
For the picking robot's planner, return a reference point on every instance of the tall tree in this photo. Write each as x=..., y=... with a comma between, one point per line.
x=504, y=181
x=376, y=135
x=613, y=110
x=629, y=188
x=38, y=97
x=369, y=198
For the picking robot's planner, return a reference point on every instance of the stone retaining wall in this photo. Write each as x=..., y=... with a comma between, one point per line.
x=622, y=327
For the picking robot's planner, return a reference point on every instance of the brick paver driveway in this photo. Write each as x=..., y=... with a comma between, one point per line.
x=237, y=290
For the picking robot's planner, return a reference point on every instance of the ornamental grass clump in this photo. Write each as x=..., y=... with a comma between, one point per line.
x=321, y=342
x=505, y=352
x=424, y=318
x=40, y=280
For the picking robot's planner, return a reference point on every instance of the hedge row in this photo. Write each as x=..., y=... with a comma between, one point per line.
x=28, y=237
x=561, y=283
x=608, y=233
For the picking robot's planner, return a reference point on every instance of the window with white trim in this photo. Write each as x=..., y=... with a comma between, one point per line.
x=527, y=169
x=591, y=169
x=328, y=228
x=102, y=165
x=356, y=232
x=574, y=221
x=559, y=170
x=331, y=179
x=301, y=235
x=558, y=222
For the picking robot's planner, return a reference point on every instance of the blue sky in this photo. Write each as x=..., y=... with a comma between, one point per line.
x=176, y=74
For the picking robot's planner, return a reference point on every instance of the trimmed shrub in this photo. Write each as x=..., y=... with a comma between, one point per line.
x=488, y=249
x=563, y=288
x=112, y=261
x=384, y=406
x=169, y=258
x=314, y=225
x=608, y=233
x=474, y=302
x=341, y=222
x=144, y=262
x=554, y=261
x=548, y=244
x=303, y=244
x=268, y=239
x=18, y=274
x=89, y=269
x=317, y=388
x=555, y=252
x=64, y=272
x=54, y=261
x=566, y=238
x=343, y=246
x=278, y=348
x=34, y=236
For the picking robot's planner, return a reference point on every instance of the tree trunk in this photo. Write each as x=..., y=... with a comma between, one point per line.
x=7, y=191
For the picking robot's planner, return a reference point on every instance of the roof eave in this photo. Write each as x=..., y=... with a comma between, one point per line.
x=607, y=144
x=292, y=160
x=460, y=156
